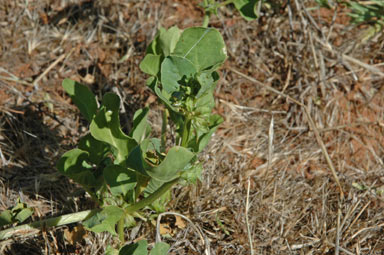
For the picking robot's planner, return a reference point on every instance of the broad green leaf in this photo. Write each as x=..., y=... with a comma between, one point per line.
x=205, y=103
x=141, y=128
x=200, y=140
x=136, y=160
x=177, y=158
x=247, y=8
x=153, y=84
x=192, y=173
x=111, y=251
x=5, y=218
x=207, y=81
x=82, y=97
x=120, y=179
x=152, y=186
x=151, y=64
x=71, y=164
x=164, y=96
x=97, y=150
x=160, y=248
x=139, y=248
x=160, y=204
x=168, y=39
x=105, y=127
x=154, y=47
x=204, y=47
x=104, y=220
x=24, y=214
x=175, y=161
x=173, y=69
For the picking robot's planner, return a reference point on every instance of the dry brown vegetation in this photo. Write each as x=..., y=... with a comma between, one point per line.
x=313, y=58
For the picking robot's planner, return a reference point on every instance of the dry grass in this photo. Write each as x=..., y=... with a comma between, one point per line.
x=295, y=207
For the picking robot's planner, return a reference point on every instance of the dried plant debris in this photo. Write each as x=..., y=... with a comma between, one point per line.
x=311, y=54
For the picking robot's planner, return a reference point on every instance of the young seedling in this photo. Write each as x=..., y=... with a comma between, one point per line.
x=128, y=173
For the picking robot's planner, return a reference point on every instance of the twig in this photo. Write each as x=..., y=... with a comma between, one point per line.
x=370, y=68
x=358, y=216
x=337, y=243
x=311, y=124
x=194, y=226
x=341, y=248
x=35, y=82
x=17, y=80
x=246, y=218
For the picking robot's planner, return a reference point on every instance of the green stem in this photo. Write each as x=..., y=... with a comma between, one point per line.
x=142, y=182
x=120, y=230
x=206, y=20
x=36, y=226
x=164, y=130
x=208, y=9
x=225, y=3
x=151, y=198
x=207, y=13
x=184, y=138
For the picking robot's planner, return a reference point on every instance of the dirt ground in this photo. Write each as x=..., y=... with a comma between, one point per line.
x=302, y=93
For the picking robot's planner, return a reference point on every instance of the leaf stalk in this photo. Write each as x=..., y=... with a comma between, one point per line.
x=36, y=226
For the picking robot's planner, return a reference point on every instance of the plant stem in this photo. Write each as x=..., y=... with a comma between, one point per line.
x=206, y=20
x=164, y=130
x=208, y=10
x=151, y=198
x=184, y=138
x=36, y=226
x=120, y=230
x=207, y=13
x=225, y=3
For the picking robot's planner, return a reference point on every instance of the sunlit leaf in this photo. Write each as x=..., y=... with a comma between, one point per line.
x=106, y=127
x=104, y=220
x=204, y=47
x=160, y=248
x=120, y=179
x=168, y=39
x=173, y=69
x=141, y=128
x=151, y=64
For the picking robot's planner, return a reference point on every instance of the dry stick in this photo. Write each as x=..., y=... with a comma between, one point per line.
x=246, y=218
x=270, y=146
x=194, y=226
x=50, y=67
x=311, y=123
x=337, y=245
x=15, y=80
x=358, y=216
x=370, y=68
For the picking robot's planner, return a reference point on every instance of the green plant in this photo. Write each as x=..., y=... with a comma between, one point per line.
x=369, y=13
x=18, y=214
x=128, y=173
x=361, y=12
